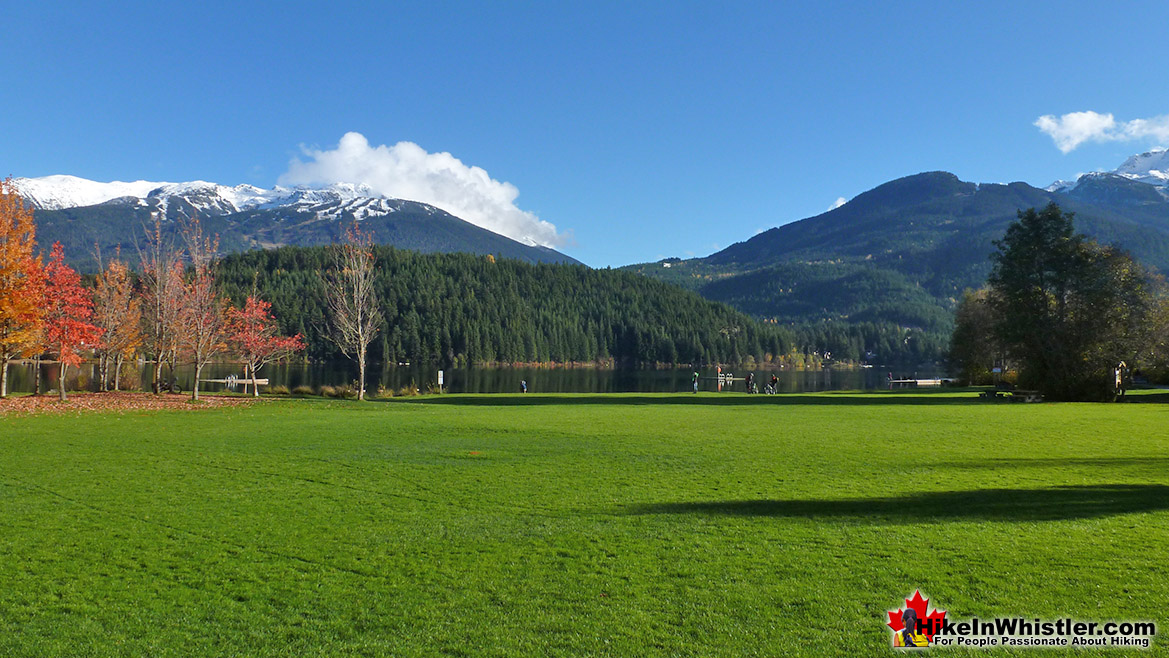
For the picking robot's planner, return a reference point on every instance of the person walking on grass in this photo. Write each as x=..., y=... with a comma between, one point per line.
x=696, y=381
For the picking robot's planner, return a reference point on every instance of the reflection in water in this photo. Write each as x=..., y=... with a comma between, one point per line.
x=475, y=380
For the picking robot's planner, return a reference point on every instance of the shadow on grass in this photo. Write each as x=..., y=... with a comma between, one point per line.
x=1052, y=504
x=1153, y=463
x=1142, y=397
x=851, y=398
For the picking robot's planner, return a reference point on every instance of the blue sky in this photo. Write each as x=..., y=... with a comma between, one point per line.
x=639, y=130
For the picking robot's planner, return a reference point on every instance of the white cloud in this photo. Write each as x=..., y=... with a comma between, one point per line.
x=406, y=171
x=1075, y=128
x=840, y=201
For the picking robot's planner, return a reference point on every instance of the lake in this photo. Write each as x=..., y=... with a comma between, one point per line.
x=485, y=380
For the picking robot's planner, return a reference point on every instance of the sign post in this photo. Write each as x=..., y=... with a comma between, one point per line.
x=440, y=381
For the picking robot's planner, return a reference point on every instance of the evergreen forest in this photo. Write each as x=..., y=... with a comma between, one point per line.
x=460, y=309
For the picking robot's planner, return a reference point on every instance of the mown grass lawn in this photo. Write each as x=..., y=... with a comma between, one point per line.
x=620, y=525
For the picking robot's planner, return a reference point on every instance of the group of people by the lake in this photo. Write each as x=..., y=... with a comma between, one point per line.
x=770, y=388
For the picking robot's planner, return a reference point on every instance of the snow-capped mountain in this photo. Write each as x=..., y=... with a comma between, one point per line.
x=204, y=198
x=89, y=217
x=1151, y=167
x=56, y=192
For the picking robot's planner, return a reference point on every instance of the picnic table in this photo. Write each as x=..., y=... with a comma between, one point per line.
x=1026, y=396
x=1012, y=396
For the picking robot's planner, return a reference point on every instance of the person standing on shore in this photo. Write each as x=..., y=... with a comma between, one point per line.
x=695, y=381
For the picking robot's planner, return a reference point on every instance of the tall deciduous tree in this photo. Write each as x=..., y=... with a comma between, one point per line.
x=117, y=311
x=253, y=335
x=1068, y=310
x=68, y=309
x=21, y=282
x=162, y=287
x=354, y=309
x=202, y=311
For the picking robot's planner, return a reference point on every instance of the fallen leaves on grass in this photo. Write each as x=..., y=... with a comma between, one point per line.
x=120, y=401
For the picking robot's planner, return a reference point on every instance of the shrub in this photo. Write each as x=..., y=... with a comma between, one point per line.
x=302, y=390
x=406, y=391
x=327, y=391
x=345, y=391
x=278, y=390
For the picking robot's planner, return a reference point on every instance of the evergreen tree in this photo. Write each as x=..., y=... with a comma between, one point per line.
x=1068, y=310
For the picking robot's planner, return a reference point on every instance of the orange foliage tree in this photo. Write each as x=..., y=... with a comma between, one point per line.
x=68, y=309
x=21, y=282
x=203, y=311
x=253, y=335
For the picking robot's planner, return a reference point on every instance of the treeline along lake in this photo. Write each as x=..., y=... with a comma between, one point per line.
x=475, y=379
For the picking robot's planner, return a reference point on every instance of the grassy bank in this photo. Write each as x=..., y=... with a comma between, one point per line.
x=618, y=525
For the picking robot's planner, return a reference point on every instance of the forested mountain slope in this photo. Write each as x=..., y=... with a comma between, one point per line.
x=461, y=308
x=898, y=257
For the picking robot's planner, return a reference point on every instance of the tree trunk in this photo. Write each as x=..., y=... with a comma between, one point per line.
x=36, y=375
x=157, y=374
x=361, y=375
x=195, y=387
x=103, y=373
x=118, y=371
x=4, y=380
x=255, y=386
x=61, y=379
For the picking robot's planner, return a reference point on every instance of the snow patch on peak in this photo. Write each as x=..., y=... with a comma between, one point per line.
x=56, y=192
x=333, y=201
x=216, y=198
x=1150, y=167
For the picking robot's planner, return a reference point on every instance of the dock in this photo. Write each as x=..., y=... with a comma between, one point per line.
x=919, y=383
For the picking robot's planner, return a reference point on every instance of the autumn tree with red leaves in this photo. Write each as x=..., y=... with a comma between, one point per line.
x=21, y=282
x=68, y=309
x=253, y=335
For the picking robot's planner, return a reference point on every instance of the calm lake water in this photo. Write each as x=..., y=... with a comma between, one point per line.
x=481, y=380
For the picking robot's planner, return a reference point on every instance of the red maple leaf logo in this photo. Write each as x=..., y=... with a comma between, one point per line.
x=931, y=622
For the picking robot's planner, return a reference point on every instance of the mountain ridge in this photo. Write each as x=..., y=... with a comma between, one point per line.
x=899, y=256
x=87, y=216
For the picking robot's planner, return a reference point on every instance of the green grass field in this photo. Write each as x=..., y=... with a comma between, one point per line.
x=618, y=525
